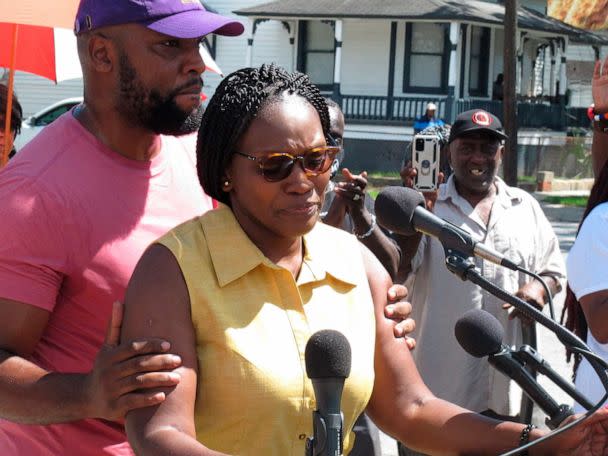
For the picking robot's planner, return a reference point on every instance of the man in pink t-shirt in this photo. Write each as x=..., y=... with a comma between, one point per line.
x=78, y=206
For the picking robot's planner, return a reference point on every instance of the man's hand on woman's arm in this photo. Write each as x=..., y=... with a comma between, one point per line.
x=121, y=379
x=399, y=309
x=166, y=428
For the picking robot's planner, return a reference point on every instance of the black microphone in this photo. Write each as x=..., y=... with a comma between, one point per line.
x=481, y=334
x=402, y=211
x=328, y=360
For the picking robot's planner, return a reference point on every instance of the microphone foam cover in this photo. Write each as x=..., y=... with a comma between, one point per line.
x=327, y=355
x=395, y=208
x=479, y=333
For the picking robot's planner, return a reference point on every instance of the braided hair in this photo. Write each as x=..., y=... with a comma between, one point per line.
x=573, y=317
x=236, y=102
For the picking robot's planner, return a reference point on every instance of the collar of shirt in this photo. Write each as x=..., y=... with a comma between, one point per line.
x=233, y=254
x=506, y=197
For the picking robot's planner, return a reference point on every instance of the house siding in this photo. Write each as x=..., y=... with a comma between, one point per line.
x=365, y=57
x=270, y=45
x=35, y=92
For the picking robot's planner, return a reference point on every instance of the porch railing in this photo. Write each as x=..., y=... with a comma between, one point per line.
x=529, y=114
x=381, y=109
x=364, y=107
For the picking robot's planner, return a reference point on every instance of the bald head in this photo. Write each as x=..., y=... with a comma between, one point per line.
x=336, y=120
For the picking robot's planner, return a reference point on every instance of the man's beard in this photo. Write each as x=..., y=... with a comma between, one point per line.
x=150, y=109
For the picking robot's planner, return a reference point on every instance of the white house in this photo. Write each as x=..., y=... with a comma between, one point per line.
x=384, y=60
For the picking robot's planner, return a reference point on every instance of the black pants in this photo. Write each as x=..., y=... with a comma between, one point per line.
x=367, y=441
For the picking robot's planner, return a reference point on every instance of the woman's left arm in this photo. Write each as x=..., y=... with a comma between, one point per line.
x=402, y=406
x=157, y=303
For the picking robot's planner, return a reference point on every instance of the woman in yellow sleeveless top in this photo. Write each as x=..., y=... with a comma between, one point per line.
x=239, y=291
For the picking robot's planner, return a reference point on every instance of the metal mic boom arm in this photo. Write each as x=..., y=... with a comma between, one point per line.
x=532, y=359
x=510, y=366
x=458, y=264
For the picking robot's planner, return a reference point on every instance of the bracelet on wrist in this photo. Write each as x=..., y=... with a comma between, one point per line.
x=599, y=119
x=368, y=233
x=524, y=437
x=592, y=114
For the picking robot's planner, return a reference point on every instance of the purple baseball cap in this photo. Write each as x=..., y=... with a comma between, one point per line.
x=176, y=18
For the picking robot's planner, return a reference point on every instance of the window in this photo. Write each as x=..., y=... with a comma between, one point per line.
x=426, y=58
x=478, y=66
x=316, y=55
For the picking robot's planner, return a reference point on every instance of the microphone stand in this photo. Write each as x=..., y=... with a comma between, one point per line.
x=321, y=444
x=532, y=359
x=514, y=369
x=459, y=264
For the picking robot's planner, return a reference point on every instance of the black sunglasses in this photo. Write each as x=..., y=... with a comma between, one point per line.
x=276, y=166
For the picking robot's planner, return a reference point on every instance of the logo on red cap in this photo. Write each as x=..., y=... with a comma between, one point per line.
x=482, y=118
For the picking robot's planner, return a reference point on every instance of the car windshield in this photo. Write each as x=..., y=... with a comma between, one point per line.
x=53, y=114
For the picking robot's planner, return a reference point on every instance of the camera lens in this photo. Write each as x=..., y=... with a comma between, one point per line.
x=419, y=144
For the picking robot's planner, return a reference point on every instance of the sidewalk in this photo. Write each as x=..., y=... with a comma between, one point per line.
x=565, y=220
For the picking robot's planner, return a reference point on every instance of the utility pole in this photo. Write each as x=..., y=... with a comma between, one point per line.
x=509, y=96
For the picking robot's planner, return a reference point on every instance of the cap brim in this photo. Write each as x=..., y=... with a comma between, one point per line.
x=497, y=133
x=196, y=23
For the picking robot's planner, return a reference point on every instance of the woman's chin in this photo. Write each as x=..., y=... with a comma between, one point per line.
x=301, y=229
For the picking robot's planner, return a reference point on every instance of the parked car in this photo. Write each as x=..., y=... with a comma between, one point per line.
x=31, y=126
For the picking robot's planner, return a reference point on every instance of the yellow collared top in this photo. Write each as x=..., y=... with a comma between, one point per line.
x=252, y=321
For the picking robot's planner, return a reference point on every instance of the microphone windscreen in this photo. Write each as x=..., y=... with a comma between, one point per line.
x=327, y=355
x=479, y=333
x=395, y=208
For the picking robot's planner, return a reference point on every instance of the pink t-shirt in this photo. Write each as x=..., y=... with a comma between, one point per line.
x=75, y=219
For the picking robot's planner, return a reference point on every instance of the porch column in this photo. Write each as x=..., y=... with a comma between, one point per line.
x=249, y=53
x=466, y=55
x=461, y=52
x=390, y=96
x=563, y=78
x=540, y=63
x=552, y=72
x=338, y=59
x=491, y=75
x=292, y=41
x=520, y=64
x=450, y=104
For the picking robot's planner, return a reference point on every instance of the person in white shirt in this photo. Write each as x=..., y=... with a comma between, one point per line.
x=503, y=218
x=585, y=309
